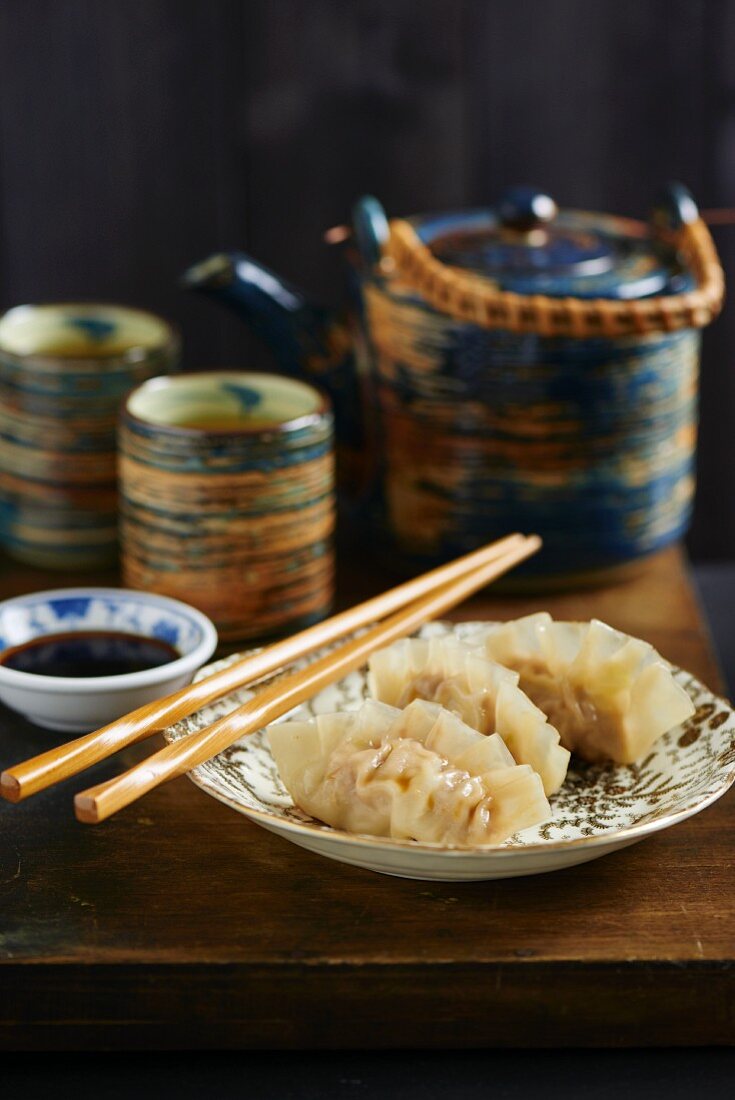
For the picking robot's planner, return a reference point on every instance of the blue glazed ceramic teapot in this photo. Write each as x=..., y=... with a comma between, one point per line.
x=513, y=368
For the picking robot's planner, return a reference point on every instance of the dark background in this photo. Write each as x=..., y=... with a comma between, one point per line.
x=137, y=136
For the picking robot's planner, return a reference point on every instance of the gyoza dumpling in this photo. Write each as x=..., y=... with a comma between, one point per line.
x=482, y=693
x=609, y=695
x=417, y=774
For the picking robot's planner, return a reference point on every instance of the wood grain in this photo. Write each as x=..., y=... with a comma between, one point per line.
x=182, y=924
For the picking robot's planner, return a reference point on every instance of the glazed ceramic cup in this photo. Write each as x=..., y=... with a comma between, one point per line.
x=64, y=370
x=227, y=498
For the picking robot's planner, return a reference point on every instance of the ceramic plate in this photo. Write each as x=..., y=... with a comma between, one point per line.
x=600, y=808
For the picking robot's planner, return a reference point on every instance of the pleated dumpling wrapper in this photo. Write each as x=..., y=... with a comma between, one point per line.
x=482, y=693
x=609, y=695
x=414, y=774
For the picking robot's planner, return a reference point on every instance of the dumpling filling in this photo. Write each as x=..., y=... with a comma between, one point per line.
x=610, y=696
x=486, y=696
x=417, y=774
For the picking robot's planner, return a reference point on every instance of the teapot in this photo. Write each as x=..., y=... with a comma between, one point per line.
x=518, y=367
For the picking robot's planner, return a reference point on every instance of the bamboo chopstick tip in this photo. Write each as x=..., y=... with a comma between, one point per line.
x=10, y=788
x=85, y=809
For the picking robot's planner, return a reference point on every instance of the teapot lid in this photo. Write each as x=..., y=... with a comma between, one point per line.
x=527, y=245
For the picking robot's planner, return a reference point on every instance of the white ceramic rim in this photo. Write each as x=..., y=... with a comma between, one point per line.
x=86, y=685
x=317, y=404
x=168, y=335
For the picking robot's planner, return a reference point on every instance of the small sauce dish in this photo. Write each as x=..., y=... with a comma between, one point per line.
x=101, y=618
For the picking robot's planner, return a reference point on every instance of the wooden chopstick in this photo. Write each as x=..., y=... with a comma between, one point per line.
x=99, y=802
x=33, y=775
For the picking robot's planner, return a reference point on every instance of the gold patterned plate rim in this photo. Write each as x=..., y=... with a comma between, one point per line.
x=714, y=718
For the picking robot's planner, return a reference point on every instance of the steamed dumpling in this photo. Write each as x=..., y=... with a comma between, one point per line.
x=609, y=695
x=483, y=694
x=416, y=774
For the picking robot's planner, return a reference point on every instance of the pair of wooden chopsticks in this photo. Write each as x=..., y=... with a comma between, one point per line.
x=407, y=607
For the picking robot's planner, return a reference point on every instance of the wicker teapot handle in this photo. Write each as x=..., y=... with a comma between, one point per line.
x=467, y=297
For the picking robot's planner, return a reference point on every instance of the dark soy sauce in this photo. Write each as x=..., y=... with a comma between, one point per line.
x=89, y=653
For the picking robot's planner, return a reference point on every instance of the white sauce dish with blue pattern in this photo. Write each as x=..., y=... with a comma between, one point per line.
x=74, y=659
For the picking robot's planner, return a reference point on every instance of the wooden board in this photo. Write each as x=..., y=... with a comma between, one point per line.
x=180, y=924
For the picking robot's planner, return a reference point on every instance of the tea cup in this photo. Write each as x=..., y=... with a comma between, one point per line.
x=64, y=370
x=227, y=498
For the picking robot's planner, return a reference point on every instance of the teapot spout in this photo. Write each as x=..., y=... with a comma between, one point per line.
x=277, y=311
x=308, y=340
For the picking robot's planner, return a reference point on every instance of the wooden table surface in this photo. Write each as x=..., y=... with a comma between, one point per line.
x=179, y=923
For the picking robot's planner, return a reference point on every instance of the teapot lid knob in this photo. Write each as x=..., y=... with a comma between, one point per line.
x=524, y=208
x=674, y=207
